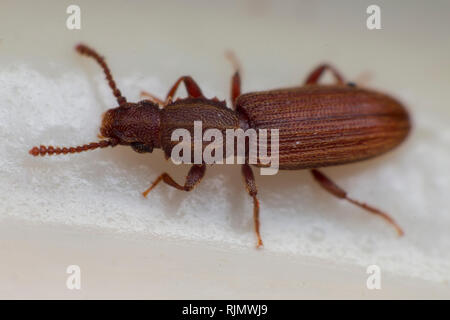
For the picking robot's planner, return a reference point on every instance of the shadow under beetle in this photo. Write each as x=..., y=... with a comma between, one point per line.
x=319, y=126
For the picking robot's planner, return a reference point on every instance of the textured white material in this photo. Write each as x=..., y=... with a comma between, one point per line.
x=50, y=95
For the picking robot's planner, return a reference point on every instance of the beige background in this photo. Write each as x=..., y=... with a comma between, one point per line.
x=87, y=209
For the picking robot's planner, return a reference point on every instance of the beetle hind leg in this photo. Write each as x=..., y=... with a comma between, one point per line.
x=335, y=190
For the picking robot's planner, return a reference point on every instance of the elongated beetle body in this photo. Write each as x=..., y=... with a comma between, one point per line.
x=318, y=125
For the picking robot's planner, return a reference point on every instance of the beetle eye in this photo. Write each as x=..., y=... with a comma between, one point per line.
x=141, y=147
x=351, y=84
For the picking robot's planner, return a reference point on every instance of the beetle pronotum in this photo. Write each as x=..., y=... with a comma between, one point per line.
x=319, y=125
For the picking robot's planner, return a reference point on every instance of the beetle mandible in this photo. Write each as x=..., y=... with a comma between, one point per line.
x=319, y=126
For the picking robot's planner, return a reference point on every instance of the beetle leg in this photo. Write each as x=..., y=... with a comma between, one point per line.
x=335, y=190
x=235, y=79
x=194, y=176
x=250, y=185
x=82, y=49
x=314, y=76
x=235, y=88
x=152, y=98
x=192, y=88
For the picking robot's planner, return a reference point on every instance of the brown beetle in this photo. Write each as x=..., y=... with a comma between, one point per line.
x=319, y=125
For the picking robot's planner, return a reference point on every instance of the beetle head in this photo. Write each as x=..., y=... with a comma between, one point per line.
x=134, y=124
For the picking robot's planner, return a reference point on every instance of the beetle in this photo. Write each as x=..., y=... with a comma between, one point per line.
x=319, y=126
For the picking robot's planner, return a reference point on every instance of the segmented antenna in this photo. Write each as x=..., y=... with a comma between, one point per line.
x=85, y=50
x=50, y=150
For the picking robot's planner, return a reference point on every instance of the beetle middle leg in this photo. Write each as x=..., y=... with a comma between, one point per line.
x=335, y=190
x=250, y=186
x=235, y=79
x=314, y=76
x=193, y=178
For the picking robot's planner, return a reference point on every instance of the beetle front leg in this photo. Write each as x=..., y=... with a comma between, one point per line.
x=335, y=190
x=153, y=98
x=193, y=178
x=192, y=88
x=250, y=186
x=314, y=76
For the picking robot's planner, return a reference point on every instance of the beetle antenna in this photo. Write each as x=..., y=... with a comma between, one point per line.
x=83, y=49
x=50, y=150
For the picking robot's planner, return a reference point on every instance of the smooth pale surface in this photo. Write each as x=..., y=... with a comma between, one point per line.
x=87, y=209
